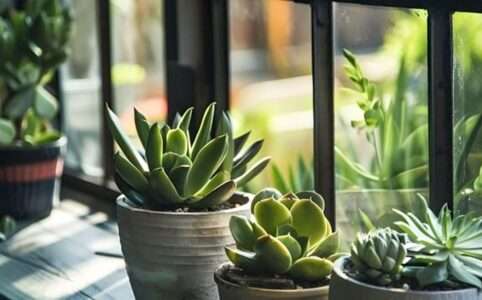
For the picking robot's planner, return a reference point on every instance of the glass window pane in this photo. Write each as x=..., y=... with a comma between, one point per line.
x=381, y=113
x=467, y=112
x=138, y=60
x=271, y=89
x=81, y=87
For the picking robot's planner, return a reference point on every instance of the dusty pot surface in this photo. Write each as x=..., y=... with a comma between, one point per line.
x=171, y=255
x=30, y=179
x=232, y=291
x=343, y=287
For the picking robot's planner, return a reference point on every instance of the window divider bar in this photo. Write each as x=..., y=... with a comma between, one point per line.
x=440, y=64
x=323, y=103
x=107, y=95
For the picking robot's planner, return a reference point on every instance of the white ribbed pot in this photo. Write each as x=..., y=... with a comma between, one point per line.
x=343, y=287
x=232, y=291
x=171, y=255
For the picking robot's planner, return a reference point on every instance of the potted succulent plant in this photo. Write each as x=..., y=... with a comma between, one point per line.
x=33, y=42
x=438, y=258
x=285, y=252
x=174, y=213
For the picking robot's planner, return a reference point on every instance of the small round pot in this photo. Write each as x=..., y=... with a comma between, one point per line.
x=30, y=179
x=171, y=255
x=231, y=291
x=344, y=287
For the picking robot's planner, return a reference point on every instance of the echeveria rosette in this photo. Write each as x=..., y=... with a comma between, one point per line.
x=444, y=247
x=288, y=235
x=378, y=256
x=179, y=171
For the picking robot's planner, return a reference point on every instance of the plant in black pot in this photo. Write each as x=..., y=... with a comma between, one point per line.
x=33, y=42
x=174, y=212
x=438, y=258
x=285, y=252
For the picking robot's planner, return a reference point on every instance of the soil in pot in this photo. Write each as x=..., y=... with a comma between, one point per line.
x=235, y=284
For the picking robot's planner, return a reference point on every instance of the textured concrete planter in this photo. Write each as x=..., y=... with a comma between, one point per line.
x=172, y=256
x=343, y=287
x=231, y=291
x=30, y=179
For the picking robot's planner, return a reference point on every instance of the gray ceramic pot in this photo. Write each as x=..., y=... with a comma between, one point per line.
x=231, y=291
x=172, y=256
x=343, y=287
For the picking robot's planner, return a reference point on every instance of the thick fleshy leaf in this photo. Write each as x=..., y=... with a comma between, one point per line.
x=244, y=158
x=219, y=195
x=124, y=143
x=163, y=188
x=278, y=179
x=225, y=127
x=271, y=214
x=142, y=127
x=311, y=269
x=171, y=160
x=309, y=220
x=130, y=174
x=244, y=260
x=176, y=141
x=456, y=269
x=432, y=274
x=273, y=254
x=313, y=196
x=135, y=197
x=7, y=132
x=205, y=164
x=240, y=141
x=252, y=172
x=185, y=121
x=288, y=200
x=292, y=245
x=45, y=104
x=178, y=176
x=328, y=246
x=242, y=232
x=265, y=194
x=18, y=105
x=204, y=132
x=154, y=148
x=213, y=183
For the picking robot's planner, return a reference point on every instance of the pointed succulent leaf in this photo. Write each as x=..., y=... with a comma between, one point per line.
x=185, y=120
x=432, y=274
x=243, y=259
x=142, y=127
x=457, y=269
x=154, y=147
x=178, y=176
x=244, y=158
x=221, y=194
x=292, y=245
x=240, y=141
x=164, y=189
x=278, y=179
x=258, y=230
x=265, y=194
x=313, y=196
x=205, y=164
x=204, y=132
x=225, y=128
x=45, y=104
x=273, y=254
x=7, y=132
x=328, y=246
x=124, y=143
x=212, y=184
x=135, y=197
x=176, y=120
x=311, y=269
x=18, y=105
x=130, y=174
x=242, y=232
x=252, y=172
x=309, y=220
x=171, y=160
x=176, y=141
x=271, y=214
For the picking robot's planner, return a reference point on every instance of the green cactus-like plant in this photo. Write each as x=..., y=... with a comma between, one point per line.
x=178, y=171
x=33, y=43
x=444, y=247
x=289, y=235
x=378, y=256
x=7, y=227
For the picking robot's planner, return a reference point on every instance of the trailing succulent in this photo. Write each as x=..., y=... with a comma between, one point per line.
x=288, y=235
x=180, y=171
x=444, y=247
x=378, y=256
x=33, y=43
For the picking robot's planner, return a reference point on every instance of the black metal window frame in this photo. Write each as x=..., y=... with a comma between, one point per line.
x=197, y=71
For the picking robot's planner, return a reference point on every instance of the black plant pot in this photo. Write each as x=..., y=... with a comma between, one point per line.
x=30, y=179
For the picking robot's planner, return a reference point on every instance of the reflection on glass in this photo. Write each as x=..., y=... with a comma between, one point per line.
x=381, y=114
x=138, y=60
x=81, y=87
x=467, y=112
x=271, y=82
